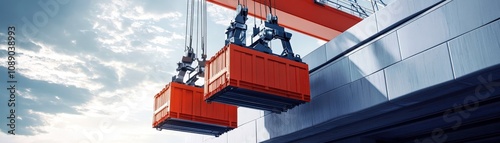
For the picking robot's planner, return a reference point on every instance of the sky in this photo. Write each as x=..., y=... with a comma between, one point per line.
x=87, y=70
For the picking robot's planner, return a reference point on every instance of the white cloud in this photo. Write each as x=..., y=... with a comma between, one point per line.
x=130, y=110
x=220, y=15
x=27, y=95
x=119, y=67
x=158, y=29
x=117, y=36
x=140, y=15
x=140, y=41
x=115, y=29
x=162, y=40
x=49, y=65
x=178, y=25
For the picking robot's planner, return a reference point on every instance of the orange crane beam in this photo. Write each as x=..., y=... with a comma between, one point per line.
x=304, y=16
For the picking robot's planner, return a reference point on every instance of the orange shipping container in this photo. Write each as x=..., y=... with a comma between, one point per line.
x=249, y=78
x=182, y=108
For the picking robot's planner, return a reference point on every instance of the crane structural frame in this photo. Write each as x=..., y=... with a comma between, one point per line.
x=305, y=16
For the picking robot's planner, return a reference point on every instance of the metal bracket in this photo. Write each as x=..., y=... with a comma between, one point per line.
x=269, y=31
x=184, y=66
x=236, y=32
x=199, y=72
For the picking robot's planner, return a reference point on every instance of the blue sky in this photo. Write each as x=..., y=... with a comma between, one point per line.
x=88, y=69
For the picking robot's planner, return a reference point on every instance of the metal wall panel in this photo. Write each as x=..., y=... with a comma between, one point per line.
x=338, y=74
x=351, y=37
x=321, y=108
x=319, y=82
x=300, y=118
x=304, y=113
x=273, y=125
x=476, y=50
x=221, y=139
x=451, y=20
x=423, y=33
x=332, y=104
x=423, y=70
x=194, y=139
x=465, y=15
x=243, y=134
x=262, y=132
x=247, y=114
x=353, y=97
x=400, y=9
x=369, y=91
x=489, y=10
x=375, y=56
x=316, y=57
x=330, y=77
x=278, y=124
x=341, y=99
x=364, y=29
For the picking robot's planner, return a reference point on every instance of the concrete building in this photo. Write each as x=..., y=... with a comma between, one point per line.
x=415, y=71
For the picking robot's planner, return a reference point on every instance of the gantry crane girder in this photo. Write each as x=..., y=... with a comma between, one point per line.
x=305, y=16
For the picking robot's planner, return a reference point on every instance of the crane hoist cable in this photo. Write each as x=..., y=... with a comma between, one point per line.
x=186, y=36
x=193, y=10
x=255, y=29
x=191, y=25
x=201, y=40
x=198, y=35
x=204, y=31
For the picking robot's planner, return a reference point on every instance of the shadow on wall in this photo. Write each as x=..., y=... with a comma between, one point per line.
x=349, y=84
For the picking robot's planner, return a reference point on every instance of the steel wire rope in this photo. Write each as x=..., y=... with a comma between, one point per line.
x=198, y=35
x=186, y=37
x=204, y=46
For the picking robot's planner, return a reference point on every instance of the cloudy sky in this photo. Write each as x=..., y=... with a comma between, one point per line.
x=87, y=70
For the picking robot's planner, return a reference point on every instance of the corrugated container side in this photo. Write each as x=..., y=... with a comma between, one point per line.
x=186, y=102
x=250, y=69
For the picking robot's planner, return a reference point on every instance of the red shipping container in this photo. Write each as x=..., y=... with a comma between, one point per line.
x=182, y=108
x=245, y=77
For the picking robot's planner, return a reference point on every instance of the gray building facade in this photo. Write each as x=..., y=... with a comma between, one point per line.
x=415, y=71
